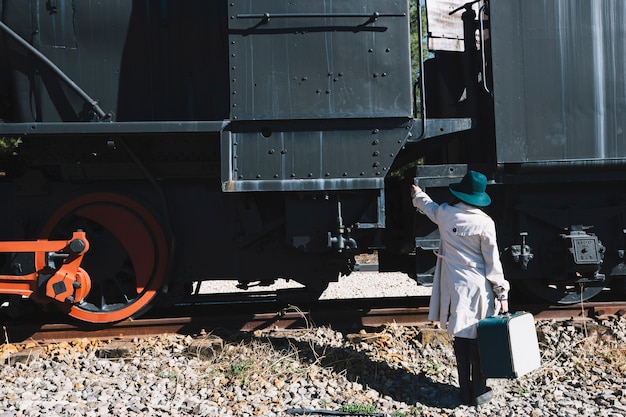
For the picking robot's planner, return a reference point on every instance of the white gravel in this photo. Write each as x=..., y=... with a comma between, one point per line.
x=362, y=284
x=396, y=372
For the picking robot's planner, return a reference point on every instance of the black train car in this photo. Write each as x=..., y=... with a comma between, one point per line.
x=549, y=109
x=560, y=107
x=263, y=139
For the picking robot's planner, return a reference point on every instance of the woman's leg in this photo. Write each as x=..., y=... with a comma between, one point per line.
x=463, y=365
x=481, y=393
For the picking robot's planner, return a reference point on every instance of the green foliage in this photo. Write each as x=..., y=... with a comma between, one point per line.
x=240, y=367
x=9, y=145
x=167, y=373
x=418, y=41
x=359, y=408
x=415, y=37
x=432, y=367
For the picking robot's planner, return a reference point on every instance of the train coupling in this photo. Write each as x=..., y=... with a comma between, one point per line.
x=585, y=253
x=57, y=273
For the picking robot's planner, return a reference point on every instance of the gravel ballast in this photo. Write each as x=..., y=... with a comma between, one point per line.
x=394, y=371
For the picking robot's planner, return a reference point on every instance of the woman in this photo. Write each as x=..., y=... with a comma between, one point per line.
x=468, y=275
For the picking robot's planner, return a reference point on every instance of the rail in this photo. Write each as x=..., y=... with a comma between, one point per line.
x=339, y=314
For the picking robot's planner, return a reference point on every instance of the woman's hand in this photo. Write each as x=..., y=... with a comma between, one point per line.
x=504, y=306
x=415, y=189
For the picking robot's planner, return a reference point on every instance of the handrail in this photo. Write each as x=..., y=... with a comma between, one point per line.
x=482, y=48
x=268, y=16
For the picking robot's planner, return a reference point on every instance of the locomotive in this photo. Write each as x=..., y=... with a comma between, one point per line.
x=148, y=146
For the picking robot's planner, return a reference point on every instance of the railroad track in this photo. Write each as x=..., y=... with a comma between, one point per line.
x=339, y=314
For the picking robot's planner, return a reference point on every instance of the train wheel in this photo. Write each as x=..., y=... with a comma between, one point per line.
x=561, y=293
x=127, y=258
x=618, y=285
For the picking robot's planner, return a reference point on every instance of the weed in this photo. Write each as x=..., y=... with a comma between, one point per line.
x=241, y=367
x=414, y=411
x=167, y=373
x=432, y=367
x=359, y=408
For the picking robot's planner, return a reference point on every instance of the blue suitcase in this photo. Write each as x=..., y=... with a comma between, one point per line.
x=508, y=345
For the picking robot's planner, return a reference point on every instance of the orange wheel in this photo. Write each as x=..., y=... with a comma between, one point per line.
x=127, y=258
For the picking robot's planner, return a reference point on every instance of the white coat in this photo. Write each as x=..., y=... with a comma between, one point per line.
x=468, y=270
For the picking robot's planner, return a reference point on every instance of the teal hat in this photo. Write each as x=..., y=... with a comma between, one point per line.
x=471, y=189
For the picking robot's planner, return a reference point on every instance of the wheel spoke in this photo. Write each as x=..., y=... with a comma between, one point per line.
x=126, y=256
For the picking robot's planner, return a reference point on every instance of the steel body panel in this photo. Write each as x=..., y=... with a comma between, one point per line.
x=141, y=61
x=319, y=59
x=355, y=156
x=559, y=76
x=85, y=41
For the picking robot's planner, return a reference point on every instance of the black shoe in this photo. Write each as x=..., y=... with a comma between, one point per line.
x=484, y=397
